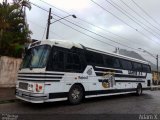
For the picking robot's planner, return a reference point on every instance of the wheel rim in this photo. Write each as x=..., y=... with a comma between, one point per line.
x=75, y=94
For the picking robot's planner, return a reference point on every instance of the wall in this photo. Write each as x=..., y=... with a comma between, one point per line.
x=8, y=71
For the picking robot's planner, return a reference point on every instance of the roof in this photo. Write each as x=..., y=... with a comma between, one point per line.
x=62, y=43
x=69, y=44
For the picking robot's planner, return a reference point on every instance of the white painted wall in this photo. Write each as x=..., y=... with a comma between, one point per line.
x=8, y=71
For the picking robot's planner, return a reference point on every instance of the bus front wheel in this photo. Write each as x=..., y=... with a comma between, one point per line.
x=139, y=90
x=75, y=95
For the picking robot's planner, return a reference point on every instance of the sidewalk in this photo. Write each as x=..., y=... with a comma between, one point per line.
x=7, y=94
x=157, y=87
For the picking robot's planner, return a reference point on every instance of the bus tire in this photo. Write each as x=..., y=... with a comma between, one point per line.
x=139, y=90
x=76, y=94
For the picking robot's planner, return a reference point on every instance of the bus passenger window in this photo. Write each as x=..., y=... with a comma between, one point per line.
x=111, y=62
x=72, y=62
x=127, y=65
x=137, y=66
x=56, y=62
x=146, y=68
x=94, y=58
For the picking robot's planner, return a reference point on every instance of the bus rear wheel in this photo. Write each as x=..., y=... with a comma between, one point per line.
x=75, y=95
x=139, y=90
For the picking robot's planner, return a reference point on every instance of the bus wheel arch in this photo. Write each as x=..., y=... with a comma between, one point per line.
x=139, y=89
x=76, y=93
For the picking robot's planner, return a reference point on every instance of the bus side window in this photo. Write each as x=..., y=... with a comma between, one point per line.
x=56, y=62
x=111, y=62
x=93, y=58
x=137, y=67
x=146, y=68
x=127, y=65
x=72, y=62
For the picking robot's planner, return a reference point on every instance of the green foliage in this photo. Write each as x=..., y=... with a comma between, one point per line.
x=14, y=31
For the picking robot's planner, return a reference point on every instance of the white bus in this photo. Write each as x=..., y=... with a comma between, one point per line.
x=55, y=70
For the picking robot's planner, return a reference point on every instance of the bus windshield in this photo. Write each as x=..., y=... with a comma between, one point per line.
x=36, y=57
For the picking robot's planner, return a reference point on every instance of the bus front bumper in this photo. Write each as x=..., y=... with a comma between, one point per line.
x=31, y=97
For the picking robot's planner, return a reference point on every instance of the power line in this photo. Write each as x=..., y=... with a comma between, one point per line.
x=131, y=18
x=106, y=31
x=139, y=15
x=123, y=21
x=89, y=31
x=70, y=26
x=87, y=35
x=39, y=7
x=91, y=36
x=54, y=7
x=44, y=28
x=114, y=15
x=145, y=12
x=96, y=33
x=93, y=24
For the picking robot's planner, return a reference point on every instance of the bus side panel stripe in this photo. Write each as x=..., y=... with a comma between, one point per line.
x=107, y=70
x=42, y=73
x=129, y=81
x=87, y=93
x=100, y=80
x=38, y=80
x=121, y=75
x=40, y=77
x=109, y=91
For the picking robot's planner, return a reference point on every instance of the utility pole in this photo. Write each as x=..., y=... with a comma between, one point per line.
x=157, y=69
x=5, y=1
x=49, y=21
x=48, y=24
x=117, y=50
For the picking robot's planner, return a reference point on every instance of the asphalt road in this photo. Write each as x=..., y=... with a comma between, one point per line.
x=116, y=107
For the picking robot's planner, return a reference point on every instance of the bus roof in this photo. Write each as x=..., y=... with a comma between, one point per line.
x=69, y=44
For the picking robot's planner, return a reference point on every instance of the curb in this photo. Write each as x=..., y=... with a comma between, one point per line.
x=8, y=101
x=154, y=88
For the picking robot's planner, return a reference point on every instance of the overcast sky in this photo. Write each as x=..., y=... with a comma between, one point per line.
x=132, y=23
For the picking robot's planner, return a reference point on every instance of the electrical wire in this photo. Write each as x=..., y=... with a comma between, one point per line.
x=124, y=22
x=45, y=28
x=145, y=12
x=131, y=18
x=90, y=23
x=86, y=30
x=140, y=15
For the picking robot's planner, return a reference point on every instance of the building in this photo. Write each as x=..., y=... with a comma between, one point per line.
x=155, y=78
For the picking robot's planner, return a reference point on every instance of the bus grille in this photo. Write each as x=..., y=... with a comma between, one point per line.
x=23, y=85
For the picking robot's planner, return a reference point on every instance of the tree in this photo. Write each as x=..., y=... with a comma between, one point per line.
x=14, y=31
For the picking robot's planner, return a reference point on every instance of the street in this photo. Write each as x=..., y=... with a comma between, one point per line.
x=148, y=103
